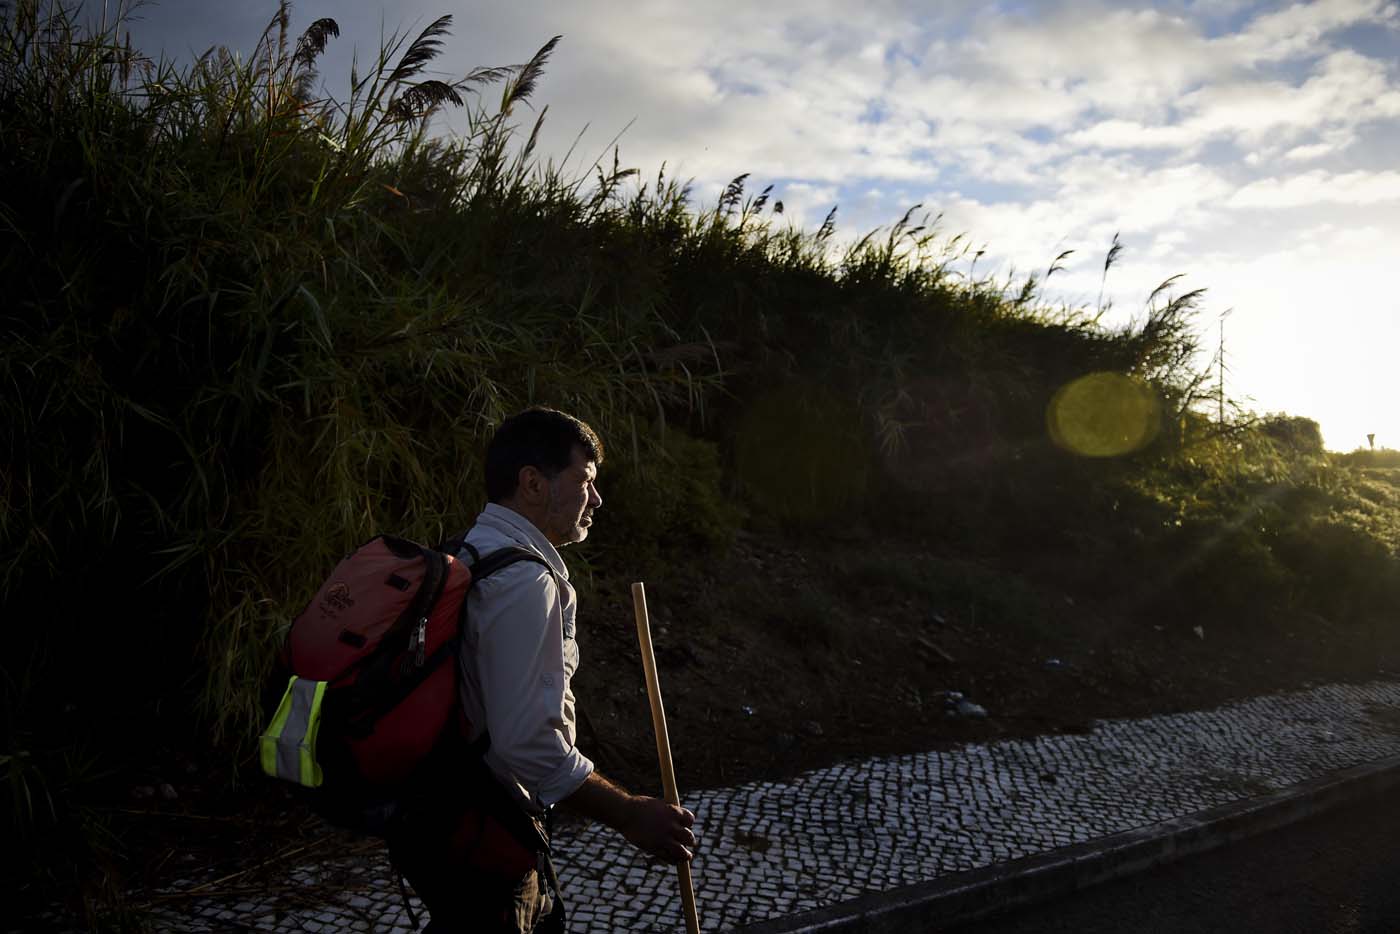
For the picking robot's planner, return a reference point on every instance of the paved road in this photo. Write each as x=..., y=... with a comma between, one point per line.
x=1335, y=874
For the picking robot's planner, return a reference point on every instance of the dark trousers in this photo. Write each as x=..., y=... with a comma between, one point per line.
x=466, y=898
x=477, y=861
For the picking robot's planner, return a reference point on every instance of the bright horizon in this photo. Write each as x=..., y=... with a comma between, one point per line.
x=1246, y=146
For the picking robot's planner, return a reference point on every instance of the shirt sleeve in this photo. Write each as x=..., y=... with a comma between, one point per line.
x=525, y=684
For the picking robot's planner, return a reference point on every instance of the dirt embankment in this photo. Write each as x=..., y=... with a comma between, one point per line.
x=783, y=657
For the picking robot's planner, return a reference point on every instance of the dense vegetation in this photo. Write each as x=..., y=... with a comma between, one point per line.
x=245, y=328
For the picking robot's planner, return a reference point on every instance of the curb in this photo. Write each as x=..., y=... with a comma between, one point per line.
x=966, y=896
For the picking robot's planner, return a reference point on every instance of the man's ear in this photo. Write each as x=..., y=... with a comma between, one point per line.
x=532, y=485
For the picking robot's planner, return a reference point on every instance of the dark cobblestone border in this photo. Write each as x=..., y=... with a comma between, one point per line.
x=967, y=896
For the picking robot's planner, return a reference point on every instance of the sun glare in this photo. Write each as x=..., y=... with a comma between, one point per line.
x=1104, y=415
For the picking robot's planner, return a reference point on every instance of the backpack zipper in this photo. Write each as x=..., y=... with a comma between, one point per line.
x=418, y=656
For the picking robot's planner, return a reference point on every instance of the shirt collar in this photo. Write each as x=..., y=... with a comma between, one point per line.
x=515, y=526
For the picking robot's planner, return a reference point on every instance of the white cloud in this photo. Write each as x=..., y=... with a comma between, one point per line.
x=1299, y=28
x=1319, y=187
x=1128, y=134
x=1347, y=90
x=1332, y=142
x=1167, y=243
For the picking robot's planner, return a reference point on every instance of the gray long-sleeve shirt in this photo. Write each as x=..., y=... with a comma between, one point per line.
x=518, y=656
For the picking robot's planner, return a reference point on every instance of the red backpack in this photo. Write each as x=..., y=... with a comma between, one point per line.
x=370, y=716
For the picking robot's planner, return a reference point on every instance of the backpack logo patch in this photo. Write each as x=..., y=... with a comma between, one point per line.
x=337, y=599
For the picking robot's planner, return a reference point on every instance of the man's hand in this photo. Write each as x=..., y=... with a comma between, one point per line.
x=661, y=829
x=649, y=824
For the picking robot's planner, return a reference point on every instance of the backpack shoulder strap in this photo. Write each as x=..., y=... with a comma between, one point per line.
x=502, y=558
x=456, y=543
x=494, y=561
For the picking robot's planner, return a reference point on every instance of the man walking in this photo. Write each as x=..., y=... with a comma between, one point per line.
x=518, y=658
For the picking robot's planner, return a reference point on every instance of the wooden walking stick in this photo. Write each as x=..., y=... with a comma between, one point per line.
x=663, y=745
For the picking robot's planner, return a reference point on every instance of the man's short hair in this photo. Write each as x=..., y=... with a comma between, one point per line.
x=537, y=437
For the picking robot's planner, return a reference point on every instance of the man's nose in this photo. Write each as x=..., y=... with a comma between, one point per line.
x=594, y=500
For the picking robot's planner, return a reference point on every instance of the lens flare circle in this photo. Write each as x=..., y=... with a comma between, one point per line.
x=1104, y=415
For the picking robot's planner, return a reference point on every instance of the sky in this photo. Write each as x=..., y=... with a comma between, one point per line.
x=1247, y=147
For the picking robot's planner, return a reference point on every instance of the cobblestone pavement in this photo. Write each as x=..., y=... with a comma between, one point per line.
x=773, y=848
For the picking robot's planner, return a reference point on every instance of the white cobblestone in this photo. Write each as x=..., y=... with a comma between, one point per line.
x=773, y=848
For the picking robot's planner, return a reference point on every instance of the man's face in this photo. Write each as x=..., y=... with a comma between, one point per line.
x=572, y=500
